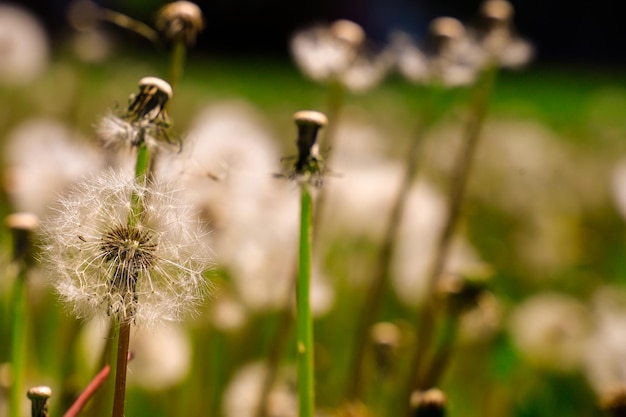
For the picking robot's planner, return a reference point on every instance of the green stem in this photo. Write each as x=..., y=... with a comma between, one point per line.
x=177, y=63
x=443, y=354
x=18, y=341
x=306, y=390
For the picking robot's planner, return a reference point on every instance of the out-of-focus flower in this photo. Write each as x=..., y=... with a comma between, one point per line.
x=90, y=42
x=243, y=393
x=227, y=167
x=605, y=351
x=550, y=330
x=421, y=225
x=495, y=36
x=446, y=57
x=339, y=53
x=180, y=20
x=530, y=174
x=103, y=258
x=23, y=46
x=161, y=357
x=227, y=314
x=43, y=157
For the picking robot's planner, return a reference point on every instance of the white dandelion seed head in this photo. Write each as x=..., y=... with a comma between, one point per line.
x=101, y=264
x=550, y=330
x=339, y=52
x=23, y=46
x=44, y=157
x=453, y=64
x=241, y=398
x=605, y=350
x=421, y=224
x=162, y=357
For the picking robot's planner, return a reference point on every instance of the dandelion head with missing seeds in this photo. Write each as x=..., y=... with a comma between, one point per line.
x=106, y=260
x=144, y=121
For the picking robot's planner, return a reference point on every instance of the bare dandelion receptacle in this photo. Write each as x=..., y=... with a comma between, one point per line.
x=309, y=123
x=180, y=21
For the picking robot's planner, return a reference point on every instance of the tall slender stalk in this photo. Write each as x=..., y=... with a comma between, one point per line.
x=18, y=341
x=21, y=225
x=304, y=320
x=142, y=169
x=177, y=62
x=426, y=322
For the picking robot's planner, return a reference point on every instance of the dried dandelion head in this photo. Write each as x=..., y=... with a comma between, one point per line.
x=180, y=21
x=309, y=165
x=495, y=36
x=104, y=260
x=143, y=121
x=446, y=57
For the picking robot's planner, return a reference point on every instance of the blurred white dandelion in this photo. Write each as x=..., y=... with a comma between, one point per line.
x=104, y=260
x=243, y=393
x=42, y=157
x=23, y=46
x=339, y=52
x=550, y=330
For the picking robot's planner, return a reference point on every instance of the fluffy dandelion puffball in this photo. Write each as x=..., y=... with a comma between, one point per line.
x=103, y=260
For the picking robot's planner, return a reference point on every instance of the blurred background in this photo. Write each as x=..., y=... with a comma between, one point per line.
x=544, y=216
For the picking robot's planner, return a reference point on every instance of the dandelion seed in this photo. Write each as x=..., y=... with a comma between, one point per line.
x=148, y=268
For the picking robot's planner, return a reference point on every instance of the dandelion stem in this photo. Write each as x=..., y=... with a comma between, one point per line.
x=306, y=389
x=88, y=392
x=426, y=322
x=177, y=62
x=131, y=24
x=121, y=368
x=21, y=225
x=376, y=291
x=18, y=340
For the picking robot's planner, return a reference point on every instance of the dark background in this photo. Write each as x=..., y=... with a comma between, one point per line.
x=585, y=33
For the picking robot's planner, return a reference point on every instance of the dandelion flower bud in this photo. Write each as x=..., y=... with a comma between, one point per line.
x=180, y=21
x=430, y=403
x=103, y=260
x=39, y=400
